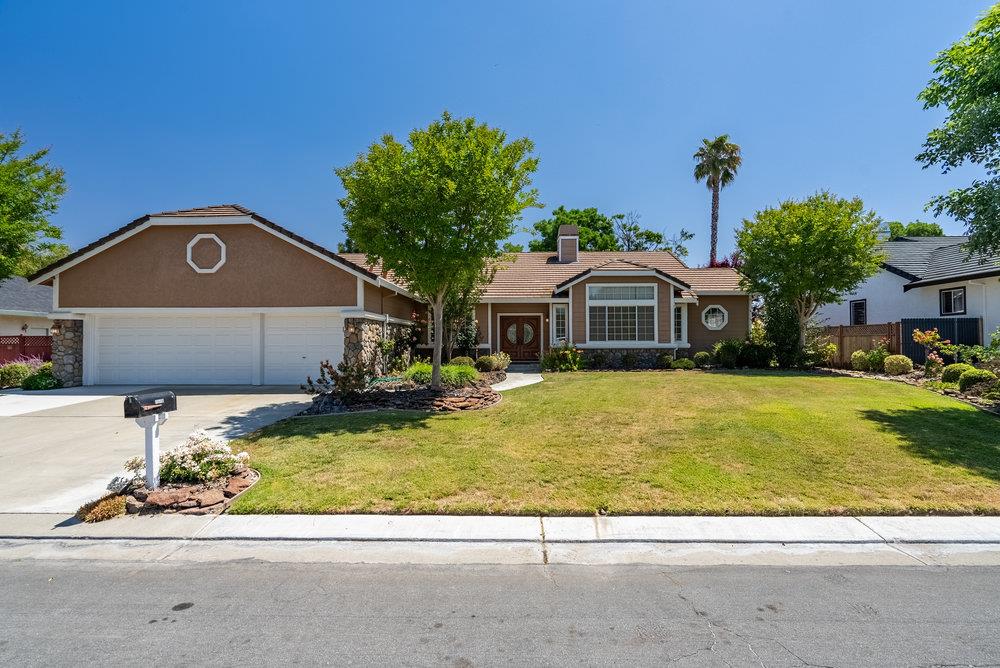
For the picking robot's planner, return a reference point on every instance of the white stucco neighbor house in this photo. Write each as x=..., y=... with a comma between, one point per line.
x=924, y=277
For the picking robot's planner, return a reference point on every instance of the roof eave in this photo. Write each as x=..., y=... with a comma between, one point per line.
x=951, y=279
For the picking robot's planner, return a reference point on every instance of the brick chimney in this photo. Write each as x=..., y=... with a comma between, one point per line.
x=568, y=243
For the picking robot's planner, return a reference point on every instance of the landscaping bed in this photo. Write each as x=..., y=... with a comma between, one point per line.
x=719, y=443
x=209, y=498
x=412, y=397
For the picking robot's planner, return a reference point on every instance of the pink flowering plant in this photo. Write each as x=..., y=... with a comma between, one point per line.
x=201, y=459
x=933, y=344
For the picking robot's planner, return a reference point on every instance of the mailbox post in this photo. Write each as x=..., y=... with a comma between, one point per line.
x=149, y=411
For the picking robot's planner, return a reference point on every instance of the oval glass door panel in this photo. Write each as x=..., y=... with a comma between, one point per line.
x=529, y=333
x=512, y=334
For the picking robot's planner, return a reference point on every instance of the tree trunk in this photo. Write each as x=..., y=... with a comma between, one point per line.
x=715, y=224
x=438, y=311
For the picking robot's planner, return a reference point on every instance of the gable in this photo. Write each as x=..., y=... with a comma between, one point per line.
x=150, y=269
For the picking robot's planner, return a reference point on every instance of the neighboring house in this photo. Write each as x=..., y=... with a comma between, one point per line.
x=223, y=295
x=24, y=308
x=924, y=277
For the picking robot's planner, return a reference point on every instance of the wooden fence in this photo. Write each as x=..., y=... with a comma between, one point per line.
x=15, y=347
x=861, y=337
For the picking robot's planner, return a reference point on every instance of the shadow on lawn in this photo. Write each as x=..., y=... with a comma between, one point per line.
x=946, y=436
x=362, y=422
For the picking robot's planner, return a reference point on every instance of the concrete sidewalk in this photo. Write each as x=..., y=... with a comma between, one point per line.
x=440, y=539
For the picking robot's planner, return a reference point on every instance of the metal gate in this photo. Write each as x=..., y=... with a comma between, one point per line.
x=964, y=331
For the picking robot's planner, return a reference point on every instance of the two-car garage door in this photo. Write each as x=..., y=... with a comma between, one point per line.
x=255, y=348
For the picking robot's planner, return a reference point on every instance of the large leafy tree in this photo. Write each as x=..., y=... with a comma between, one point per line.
x=717, y=161
x=917, y=228
x=600, y=232
x=967, y=85
x=435, y=210
x=30, y=189
x=808, y=253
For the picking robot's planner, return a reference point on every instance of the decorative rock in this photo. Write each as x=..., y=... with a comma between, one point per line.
x=209, y=497
x=236, y=485
x=67, y=352
x=167, y=497
x=140, y=493
x=132, y=505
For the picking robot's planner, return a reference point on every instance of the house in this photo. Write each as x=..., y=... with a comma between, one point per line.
x=24, y=308
x=221, y=295
x=924, y=277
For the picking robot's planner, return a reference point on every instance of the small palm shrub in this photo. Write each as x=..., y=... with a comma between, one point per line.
x=563, y=358
x=953, y=372
x=683, y=363
x=487, y=363
x=968, y=381
x=346, y=381
x=859, y=360
x=727, y=352
x=201, y=459
x=13, y=374
x=104, y=508
x=453, y=375
x=467, y=361
x=702, y=359
x=755, y=355
x=897, y=365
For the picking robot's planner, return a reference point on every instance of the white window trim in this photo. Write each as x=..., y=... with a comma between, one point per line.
x=222, y=253
x=684, y=323
x=725, y=317
x=654, y=302
x=555, y=341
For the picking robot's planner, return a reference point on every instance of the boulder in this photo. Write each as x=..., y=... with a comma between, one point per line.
x=209, y=497
x=166, y=496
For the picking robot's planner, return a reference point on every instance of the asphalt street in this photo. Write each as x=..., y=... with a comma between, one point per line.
x=248, y=612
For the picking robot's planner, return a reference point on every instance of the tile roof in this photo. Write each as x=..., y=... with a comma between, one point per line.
x=216, y=210
x=929, y=260
x=17, y=295
x=537, y=274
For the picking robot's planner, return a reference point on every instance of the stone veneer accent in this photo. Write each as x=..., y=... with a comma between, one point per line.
x=361, y=341
x=67, y=352
x=614, y=358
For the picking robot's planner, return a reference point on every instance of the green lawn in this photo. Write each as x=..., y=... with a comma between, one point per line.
x=664, y=443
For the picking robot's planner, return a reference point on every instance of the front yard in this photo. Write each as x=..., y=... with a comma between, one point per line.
x=644, y=443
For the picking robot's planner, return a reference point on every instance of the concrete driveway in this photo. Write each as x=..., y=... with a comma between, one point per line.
x=59, y=449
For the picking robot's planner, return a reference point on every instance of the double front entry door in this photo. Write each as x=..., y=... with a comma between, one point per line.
x=520, y=336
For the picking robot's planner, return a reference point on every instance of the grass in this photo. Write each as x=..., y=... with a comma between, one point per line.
x=735, y=443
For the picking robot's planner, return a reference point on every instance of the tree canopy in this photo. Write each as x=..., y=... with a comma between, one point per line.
x=436, y=210
x=30, y=190
x=967, y=85
x=808, y=253
x=917, y=228
x=601, y=232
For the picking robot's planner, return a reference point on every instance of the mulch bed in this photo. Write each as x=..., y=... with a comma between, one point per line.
x=209, y=498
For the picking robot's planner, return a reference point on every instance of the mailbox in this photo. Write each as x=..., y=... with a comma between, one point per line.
x=151, y=403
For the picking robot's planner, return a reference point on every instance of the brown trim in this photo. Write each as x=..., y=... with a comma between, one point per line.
x=639, y=267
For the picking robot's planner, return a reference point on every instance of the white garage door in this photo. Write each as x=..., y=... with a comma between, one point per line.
x=294, y=345
x=179, y=349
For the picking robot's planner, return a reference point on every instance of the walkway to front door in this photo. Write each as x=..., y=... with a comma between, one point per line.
x=519, y=336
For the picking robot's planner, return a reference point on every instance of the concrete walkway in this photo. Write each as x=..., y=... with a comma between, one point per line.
x=517, y=379
x=500, y=539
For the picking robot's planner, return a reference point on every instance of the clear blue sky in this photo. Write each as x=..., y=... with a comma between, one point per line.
x=182, y=104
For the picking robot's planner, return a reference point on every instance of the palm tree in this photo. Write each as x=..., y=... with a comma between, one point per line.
x=718, y=159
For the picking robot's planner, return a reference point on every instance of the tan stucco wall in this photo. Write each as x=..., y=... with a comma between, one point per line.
x=738, y=327
x=150, y=270
x=663, y=290
x=10, y=325
x=500, y=309
x=382, y=300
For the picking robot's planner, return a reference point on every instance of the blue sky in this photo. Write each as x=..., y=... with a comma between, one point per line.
x=174, y=105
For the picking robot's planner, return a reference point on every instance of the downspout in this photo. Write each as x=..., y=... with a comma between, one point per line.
x=985, y=314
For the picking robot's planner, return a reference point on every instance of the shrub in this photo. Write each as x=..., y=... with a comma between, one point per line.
x=727, y=352
x=453, y=375
x=503, y=359
x=629, y=360
x=563, y=358
x=200, y=459
x=467, y=361
x=104, y=508
x=344, y=382
x=597, y=360
x=897, y=365
x=13, y=374
x=968, y=381
x=821, y=354
x=953, y=372
x=859, y=360
x=41, y=379
x=665, y=360
x=933, y=365
x=487, y=363
x=702, y=359
x=755, y=355
x=683, y=363
x=876, y=358
x=781, y=328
